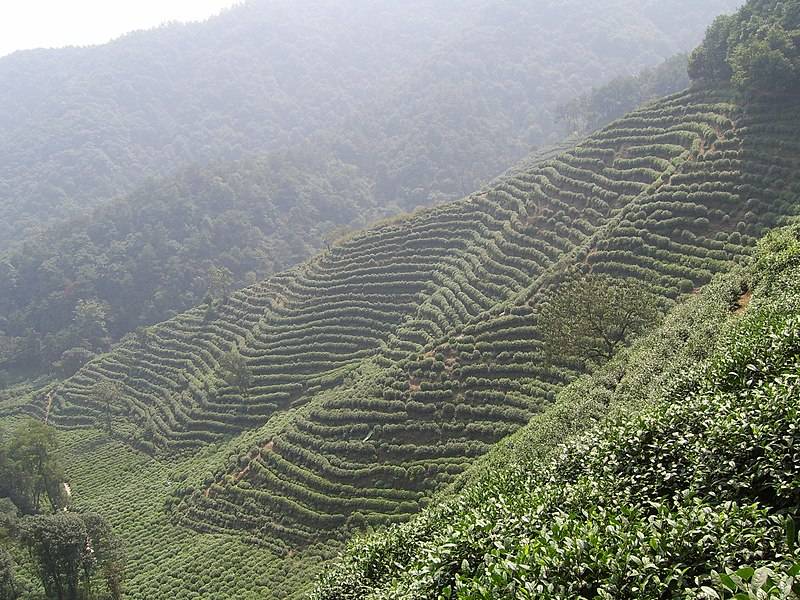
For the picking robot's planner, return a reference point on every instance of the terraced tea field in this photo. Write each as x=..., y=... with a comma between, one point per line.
x=343, y=393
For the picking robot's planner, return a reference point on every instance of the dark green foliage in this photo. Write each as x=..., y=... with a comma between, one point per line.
x=757, y=50
x=592, y=317
x=70, y=551
x=146, y=257
x=8, y=582
x=30, y=468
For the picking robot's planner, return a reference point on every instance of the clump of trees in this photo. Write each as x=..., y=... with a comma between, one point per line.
x=621, y=95
x=31, y=475
x=591, y=318
x=77, y=556
x=71, y=551
x=757, y=50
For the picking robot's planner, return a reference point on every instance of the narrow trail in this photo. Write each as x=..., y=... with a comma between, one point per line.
x=49, y=406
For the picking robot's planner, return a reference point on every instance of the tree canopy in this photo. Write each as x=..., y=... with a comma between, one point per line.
x=590, y=318
x=757, y=50
x=71, y=550
x=30, y=468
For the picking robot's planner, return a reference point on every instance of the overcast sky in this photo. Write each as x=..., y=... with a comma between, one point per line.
x=55, y=23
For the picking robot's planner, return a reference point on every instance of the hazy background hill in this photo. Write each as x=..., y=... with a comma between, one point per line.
x=269, y=127
x=429, y=95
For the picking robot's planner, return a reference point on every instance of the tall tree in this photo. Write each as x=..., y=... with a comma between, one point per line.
x=591, y=318
x=31, y=470
x=8, y=582
x=107, y=394
x=58, y=545
x=71, y=551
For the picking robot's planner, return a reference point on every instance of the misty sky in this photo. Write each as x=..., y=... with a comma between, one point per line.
x=54, y=23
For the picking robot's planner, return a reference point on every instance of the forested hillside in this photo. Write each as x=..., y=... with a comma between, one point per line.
x=427, y=97
x=85, y=284
x=373, y=112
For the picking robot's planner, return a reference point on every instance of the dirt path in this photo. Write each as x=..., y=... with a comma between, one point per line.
x=49, y=406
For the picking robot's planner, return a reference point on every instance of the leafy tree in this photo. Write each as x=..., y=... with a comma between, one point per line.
x=757, y=50
x=709, y=60
x=220, y=280
x=91, y=322
x=71, y=551
x=58, y=545
x=109, y=555
x=235, y=370
x=73, y=359
x=107, y=394
x=772, y=63
x=8, y=582
x=31, y=469
x=592, y=317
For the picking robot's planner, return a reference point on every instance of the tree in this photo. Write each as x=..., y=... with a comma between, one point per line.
x=71, y=551
x=73, y=359
x=235, y=370
x=108, y=552
x=31, y=469
x=220, y=281
x=771, y=64
x=58, y=545
x=757, y=50
x=91, y=322
x=709, y=62
x=8, y=583
x=592, y=317
x=107, y=393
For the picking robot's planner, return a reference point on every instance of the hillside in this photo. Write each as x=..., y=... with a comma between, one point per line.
x=426, y=98
x=146, y=257
x=670, y=473
x=404, y=375
x=274, y=177
x=340, y=394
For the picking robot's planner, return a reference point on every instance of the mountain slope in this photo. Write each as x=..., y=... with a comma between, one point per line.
x=374, y=374
x=426, y=98
x=693, y=473
x=149, y=256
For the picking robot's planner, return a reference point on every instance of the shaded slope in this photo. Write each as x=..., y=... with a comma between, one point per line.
x=148, y=256
x=383, y=366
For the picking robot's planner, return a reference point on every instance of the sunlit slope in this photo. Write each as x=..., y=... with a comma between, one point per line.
x=382, y=367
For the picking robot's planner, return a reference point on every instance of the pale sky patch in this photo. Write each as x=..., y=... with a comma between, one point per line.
x=28, y=24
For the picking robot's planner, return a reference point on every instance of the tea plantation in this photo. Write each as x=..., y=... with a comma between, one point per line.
x=251, y=436
x=672, y=472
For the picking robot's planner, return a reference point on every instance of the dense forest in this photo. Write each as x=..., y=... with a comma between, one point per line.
x=577, y=380
x=406, y=124
x=428, y=98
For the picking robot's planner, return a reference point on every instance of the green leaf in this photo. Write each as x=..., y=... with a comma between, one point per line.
x=727, y=582
x=791, y=532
